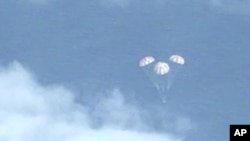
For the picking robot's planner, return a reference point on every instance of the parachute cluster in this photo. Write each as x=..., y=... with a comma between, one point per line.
x=162, y=73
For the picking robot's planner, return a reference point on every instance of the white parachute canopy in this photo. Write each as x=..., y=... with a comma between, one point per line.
x=161, y=73
x=161, y=68
x=146, y=61
x=177, y=59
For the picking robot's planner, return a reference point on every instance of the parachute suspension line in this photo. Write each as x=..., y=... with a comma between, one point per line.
x=170, y=80
x=172, y=75
x=162, y=92
x=153, y=80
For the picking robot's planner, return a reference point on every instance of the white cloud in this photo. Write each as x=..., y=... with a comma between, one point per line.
x=32, y=112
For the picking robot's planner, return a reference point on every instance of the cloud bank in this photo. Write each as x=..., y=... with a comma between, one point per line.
x=30, y=111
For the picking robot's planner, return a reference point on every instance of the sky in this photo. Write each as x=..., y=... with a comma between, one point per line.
x=69, y=69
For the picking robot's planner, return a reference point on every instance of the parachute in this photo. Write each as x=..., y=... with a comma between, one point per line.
x=177, y=59
x=161, y=70
x=146, y=64
x=176, y=63
x=161, y=73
